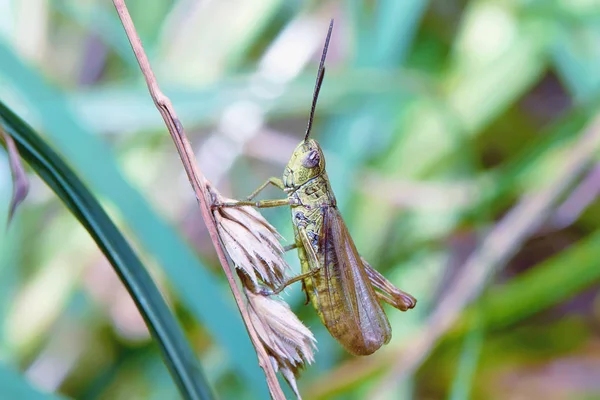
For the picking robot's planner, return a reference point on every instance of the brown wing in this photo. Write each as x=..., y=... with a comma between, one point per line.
x=387, y=291
x=347, y=301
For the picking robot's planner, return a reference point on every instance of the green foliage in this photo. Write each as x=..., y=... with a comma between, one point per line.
x=435, y=119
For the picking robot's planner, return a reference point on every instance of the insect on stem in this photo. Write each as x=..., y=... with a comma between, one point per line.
x=320, y=76
x=344, y=289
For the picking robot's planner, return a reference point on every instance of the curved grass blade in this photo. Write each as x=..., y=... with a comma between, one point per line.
x=175, y=350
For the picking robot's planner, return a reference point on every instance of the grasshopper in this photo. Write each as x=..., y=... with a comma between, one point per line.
x=343, y=288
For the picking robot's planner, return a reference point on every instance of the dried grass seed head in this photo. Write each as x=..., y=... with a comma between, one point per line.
x=288, y=341
x=252, y=243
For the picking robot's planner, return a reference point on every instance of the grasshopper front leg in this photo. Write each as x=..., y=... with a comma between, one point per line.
x=257, y=204
x=262, y=203
x=271, y=181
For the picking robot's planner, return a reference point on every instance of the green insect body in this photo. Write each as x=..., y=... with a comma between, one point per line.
x=308, y=199
x=343, y=288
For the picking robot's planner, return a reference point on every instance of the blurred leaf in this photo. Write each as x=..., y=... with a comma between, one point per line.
x=14, y=386
x=91, y=157
x=535, y=159
x=539, y=288
x=396, y=26
x=575, y=52
x=196, y=32
x=178, y=356
x=487, y=74
x=11, y=247
x=99, y=21
x=200, y=107
x=467, y=364
x=383, y=38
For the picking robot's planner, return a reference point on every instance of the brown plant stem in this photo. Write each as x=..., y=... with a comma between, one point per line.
x=199, y=185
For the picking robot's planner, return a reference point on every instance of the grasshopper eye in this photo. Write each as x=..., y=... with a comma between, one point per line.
x=311, y=160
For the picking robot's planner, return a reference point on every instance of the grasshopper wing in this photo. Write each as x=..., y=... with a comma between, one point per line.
x=347, y=301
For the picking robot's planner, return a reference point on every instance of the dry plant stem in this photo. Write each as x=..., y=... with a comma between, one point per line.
x=198, y=182
x=498, y=247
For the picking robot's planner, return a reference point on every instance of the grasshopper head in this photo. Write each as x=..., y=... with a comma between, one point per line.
x=306, y=163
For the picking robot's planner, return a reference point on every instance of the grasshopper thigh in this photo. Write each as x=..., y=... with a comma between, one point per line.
x=313, y=259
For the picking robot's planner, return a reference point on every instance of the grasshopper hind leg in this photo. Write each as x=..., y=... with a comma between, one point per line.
x=313, y=260
x=287, y=283
x=387, y=292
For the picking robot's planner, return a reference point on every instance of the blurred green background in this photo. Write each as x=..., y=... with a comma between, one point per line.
x=436, y=118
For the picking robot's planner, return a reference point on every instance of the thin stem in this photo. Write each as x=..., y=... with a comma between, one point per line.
x=199, y=185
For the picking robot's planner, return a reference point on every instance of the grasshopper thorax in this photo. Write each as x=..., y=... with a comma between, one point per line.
x=306, y=163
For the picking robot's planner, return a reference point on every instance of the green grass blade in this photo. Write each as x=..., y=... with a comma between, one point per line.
x=576, y=59
x=397, y=24
x=467, y=364
x=178, y=355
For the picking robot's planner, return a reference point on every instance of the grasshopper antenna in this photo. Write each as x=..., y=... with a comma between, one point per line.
x=320, y=76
